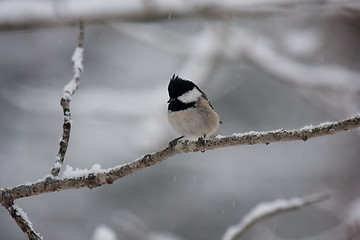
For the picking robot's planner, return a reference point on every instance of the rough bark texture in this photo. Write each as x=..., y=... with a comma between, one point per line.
x=7, y=198
x=69, y=90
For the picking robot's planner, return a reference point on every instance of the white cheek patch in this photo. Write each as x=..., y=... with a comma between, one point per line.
x=190, y=96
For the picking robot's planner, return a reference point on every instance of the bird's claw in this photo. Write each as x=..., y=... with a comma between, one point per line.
x=201, y=142
x=173, y=142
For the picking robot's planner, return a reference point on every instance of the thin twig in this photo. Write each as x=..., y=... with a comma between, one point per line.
x=6, y=199
x=23, y=222
x=19, y=216
x=270, y=209
x=69, y=90
x=99, y=177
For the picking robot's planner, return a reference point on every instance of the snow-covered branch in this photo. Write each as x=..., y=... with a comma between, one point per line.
x=22, y=221
x=16, y=15
x=98, y=177
x=7, y=200
x=270, y=209
x=69, y=90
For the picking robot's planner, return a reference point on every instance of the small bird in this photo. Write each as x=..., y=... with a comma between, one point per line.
x=189, y=112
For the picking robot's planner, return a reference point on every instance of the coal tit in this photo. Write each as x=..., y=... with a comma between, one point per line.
x=189, y=112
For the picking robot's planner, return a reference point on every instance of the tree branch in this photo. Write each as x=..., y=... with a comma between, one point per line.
x=69, y=90
x=19, y=216
x=7, y=199
x=23, y=222
x=270, y=209
x=36, y=14
x=98, y=177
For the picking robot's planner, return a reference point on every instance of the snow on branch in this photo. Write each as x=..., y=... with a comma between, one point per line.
x=99, y=177
x=69, y=90
x=16, y=15
x=23, y=222
x=7, y=200
x=270, y=209
x=20, y=217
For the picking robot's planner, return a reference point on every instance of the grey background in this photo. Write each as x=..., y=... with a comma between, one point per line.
x=193, y=196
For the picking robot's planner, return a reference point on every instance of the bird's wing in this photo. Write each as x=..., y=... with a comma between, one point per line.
x=203, y=95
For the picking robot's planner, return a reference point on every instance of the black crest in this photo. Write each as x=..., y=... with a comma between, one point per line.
x=179, y=86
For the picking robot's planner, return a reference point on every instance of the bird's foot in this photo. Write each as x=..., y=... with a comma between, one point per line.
x=201, y=141
x=173, y=142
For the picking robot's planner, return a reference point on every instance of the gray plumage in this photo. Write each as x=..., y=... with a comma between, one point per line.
x=190, y=113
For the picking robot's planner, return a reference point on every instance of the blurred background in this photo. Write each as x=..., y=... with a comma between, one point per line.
x=262, y=70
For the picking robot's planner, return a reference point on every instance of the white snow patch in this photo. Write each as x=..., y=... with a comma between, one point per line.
x=103, y=232
x=28, y=183
x=77, y=59
x=57, y=164
x=70, y=88
x=307, y=128
x=220, y=137
x=323, y=124
x=67, y=119
x=69, y=172
x=23, y=215
x=239, y=135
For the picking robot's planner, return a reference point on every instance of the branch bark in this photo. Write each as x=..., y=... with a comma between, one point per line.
x=7, y=199
x=20, y=218
x=108, y=176
x=69, y=90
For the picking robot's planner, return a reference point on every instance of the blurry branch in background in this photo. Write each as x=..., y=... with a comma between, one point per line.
x=325, y=84
x=352, y=219
x=270, y=209
x=132, y=227
x=129, y=226
x=16, y=15
x=7, y=200
x=69, y=90
x=204, y=51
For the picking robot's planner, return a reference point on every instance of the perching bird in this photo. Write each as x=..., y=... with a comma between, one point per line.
x=189, y=112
